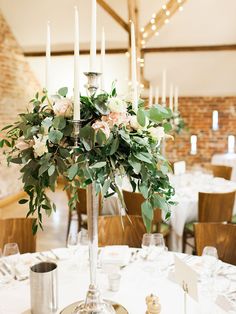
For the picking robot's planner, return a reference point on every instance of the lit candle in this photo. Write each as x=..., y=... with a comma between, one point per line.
x=171, y=97
x=48, y=59
x=156, y=95
x=150, y=97
x=231, y=144
x=176, y=98
x=103, y=59
x=93, y=36
x=134, y=69
x=193, y=141
x=163, y=88
x=76, y=68
x=215, y=125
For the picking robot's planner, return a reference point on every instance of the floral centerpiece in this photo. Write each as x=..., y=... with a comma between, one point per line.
x=115, y=141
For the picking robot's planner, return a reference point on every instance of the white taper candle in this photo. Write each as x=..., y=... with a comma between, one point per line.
x=103, y=51
x=76, y=115
x=156, y=95
x=163, y=100
x=134, y=68
x=176, y=99
x=93, y=36
x=150, y=101
x=48, y=60
x=171, y=97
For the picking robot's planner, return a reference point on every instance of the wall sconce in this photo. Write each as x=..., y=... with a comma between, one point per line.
x=231, y=144
x=193, y=141
x=215, y=120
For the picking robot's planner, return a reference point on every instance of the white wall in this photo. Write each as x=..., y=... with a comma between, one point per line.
x=116, y=68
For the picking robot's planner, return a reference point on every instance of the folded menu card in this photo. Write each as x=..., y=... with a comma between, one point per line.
x=117, y=254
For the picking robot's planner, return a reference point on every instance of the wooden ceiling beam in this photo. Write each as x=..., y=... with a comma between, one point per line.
x=190, y=48
x=160, y=18
x=113, y=14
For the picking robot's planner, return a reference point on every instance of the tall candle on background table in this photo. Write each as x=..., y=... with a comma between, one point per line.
x=156, y=95
x=103, y=58
x=76, y=115
x=134, y=68
x=231, y=144
x=171, y=97
x=176, y=99
x=215, y=124
x=150, y=103
x=163, y=100
x=93, y=36
x=193, y=142
x=48, y=59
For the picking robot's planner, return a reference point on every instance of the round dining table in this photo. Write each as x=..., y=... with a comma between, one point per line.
x=140, y=277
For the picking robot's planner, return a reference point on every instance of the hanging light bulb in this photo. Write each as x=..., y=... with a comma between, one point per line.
x=142, y=29
x=145, y=35
x=167, y=12
x=157, y=33
x=152, y=21
x=167, y=21
x=154, y=27
x=181, y=8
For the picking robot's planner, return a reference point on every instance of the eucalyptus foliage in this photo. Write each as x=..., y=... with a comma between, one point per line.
x=101, y=158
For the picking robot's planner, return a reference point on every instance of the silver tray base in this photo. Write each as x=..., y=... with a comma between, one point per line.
x=119, y=309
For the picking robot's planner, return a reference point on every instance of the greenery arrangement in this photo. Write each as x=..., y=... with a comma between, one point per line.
x=114, y=142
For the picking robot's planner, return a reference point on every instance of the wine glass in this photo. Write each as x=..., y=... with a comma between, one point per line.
x=11, y=256
x=210, y=260
x=158, y=242
x=72, y=241
x=147, y=244
x=83, y=237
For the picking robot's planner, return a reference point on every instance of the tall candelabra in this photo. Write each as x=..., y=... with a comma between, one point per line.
x=93, y=303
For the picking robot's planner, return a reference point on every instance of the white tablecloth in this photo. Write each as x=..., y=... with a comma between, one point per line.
x=137, y=282
x=187, y=187
x=226, y=160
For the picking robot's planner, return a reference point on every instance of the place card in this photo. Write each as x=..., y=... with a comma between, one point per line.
x=187, y=278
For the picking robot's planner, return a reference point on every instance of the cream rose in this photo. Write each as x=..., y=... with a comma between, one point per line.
x=114, y=118
x=63, y=107
x=103, y=126
x=40, y=145
x=158, y=133
x=117, y=105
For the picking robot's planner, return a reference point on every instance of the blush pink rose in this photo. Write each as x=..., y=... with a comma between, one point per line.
x=115, y=118
x=21, y=144
x=103, y=126
x=63, y=107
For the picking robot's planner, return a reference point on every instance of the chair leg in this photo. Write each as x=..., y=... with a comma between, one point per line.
x=184, y=242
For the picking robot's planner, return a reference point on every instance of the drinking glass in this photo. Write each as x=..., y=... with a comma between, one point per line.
x=210, y=260
x=83, y=237
x=11, y=255
x=147, y=244
x=158, y=243
x=72, y=241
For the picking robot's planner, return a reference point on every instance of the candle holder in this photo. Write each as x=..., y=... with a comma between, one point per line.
x=76, y=129
x=93, y=303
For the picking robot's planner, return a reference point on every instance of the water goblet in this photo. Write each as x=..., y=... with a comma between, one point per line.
x=210, y=260
x=11, y=255
x=158, y=242
x=147, y=244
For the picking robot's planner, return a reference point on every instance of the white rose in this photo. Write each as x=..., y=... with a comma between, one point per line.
x=40, y=145
x=63, y=107
x=47, y=122
x=158, y=133
x=117, y=105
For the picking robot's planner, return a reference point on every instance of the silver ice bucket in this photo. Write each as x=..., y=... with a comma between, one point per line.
x=43, y=288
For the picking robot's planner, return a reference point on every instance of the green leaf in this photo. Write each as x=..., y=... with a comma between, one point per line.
x=114, y=146
x=147, y=214
x=23, y=201
x=140, y=140
x=158, y=113
x=59, y=122
x=100, y=137
x=55, y=136
x=16, y=160
x=141, y=117
x=106, y=186
x=143, y=156
x=144, y=190
x=72, y=171
x=160, y=202
x=64, y=152
x=167, y=127
x=63, y=91
x=51, y=170
x=43, y=168
x=99, y=164
x=135, y=164
x=87, y=136
x=6, y=127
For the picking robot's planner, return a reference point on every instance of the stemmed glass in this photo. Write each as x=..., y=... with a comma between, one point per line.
x=210, y=260
x=158, y=242
x=147, y=244
x=11, y=255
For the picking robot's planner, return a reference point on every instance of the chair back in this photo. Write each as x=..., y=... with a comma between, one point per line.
x=215, y=207
x=133, y=202
x=18, y=230
x=220, y=235
x=120, y=230
x=222, y=171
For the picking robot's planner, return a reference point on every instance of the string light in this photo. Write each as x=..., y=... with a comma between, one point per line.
x=181, y=8
x=167, y=12
x=154, y=15
x=157, y=33
x=127, y=54
x=179, y=1
x=154, y=27
x=166, y=21
x=164, y=6
x=143, y=42
x=145, y=35
x=142, y=29
x=152, y=21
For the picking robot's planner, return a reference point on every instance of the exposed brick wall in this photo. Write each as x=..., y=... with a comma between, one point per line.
x=197, y=113
x=17, y=84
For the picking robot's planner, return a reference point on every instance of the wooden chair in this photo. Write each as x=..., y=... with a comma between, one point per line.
x=18, y=230
x=120, y=230
x=212, y=207
x=222, y=236
x=81, y=209
x=222, y=171
x=133, y=203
